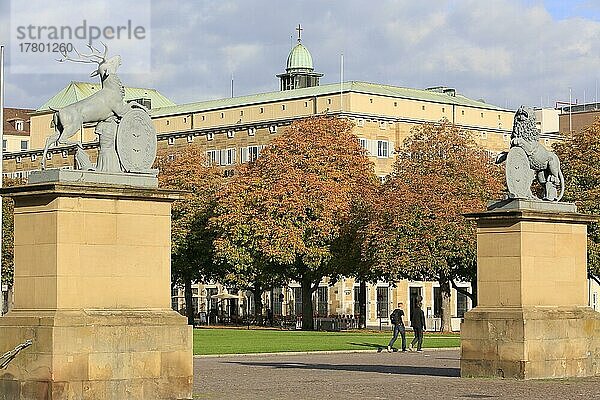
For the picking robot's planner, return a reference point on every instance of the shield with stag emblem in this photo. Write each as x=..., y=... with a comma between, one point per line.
x=136, y=142
x=519, y=176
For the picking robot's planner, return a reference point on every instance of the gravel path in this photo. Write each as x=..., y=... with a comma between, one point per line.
x=434, y=374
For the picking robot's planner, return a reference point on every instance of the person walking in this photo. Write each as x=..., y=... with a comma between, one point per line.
x=417, y=321
x=396, y=319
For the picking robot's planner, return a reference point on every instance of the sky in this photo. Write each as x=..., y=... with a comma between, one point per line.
x=505, y=52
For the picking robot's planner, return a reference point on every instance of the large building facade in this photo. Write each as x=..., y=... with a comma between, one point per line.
x=235, y=130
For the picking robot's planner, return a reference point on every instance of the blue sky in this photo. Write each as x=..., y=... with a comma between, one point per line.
x=506, y=52
x=564, y=9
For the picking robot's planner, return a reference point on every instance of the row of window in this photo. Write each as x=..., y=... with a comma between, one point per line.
x=230, y=134
x=377, y=148
x=24, y=145
x=228, y=156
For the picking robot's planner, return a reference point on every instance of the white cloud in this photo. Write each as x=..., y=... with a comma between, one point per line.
x=505, y=51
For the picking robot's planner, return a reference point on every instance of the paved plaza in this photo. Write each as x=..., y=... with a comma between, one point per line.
x=433, y=374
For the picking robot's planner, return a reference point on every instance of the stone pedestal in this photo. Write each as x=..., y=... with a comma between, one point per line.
x=532, y=319
x=92, y=290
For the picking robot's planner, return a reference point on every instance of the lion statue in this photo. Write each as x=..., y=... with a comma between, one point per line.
x=528, y=159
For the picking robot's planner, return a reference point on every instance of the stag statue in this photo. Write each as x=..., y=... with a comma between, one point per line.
x=107, y=108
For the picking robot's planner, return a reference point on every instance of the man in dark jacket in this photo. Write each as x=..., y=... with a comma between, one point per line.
x=396, y=319
x=417, y=321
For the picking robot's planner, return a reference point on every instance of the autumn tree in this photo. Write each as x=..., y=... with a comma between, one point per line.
x=579, y=154
x=286, y=209
x=191, y=238
x=8, y=253
x=420, y=232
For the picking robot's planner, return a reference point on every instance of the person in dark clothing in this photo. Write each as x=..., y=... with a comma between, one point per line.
x=417, y=321
x=396, y=319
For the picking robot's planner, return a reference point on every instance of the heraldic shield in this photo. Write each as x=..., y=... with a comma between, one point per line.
x=136, y=142
x=519, y=175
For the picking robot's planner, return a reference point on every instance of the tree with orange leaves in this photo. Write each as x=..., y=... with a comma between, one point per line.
x=191, y=238
x=286, y=210
x=419, y=231
x=579, y=154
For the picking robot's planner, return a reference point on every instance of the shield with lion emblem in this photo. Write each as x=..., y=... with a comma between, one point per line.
x=518, y=174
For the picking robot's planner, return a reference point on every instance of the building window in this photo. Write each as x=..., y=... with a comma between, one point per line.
x=481, y=115
x=24, y=145
x=283, y=107
x=371, y=101
x=322, y=301
x=253, y=152
x=167, y=122
x=262, y=110
x=297, y=292
x=18, y=159
x=461, y=304
x=203, y=118
x=228, y=156
x=213, y=157
x=230, y=134
x=64, y=154
x=33, y=157
x=437, y=302
x=222, y=115
x=356, y=300
x=462, y=112
x=273, y=129
x=383, y=149
x=190, y=138
x=382, y=125
x=360, y=122
x=382, y=302
x=499, y=117
x=4, y=144
x=19, y=125
x=277, y=301
x=184, y=120
x=395, y=104
x=171, y=140
x=251, y=131
x=171, y=157
x=443, y=109
x=210, y=136
x=363, y=143
x=241, y=113
x=483, y=135
x=423, y=108
x=48, y=156
x=506, y=137
x=306, y=104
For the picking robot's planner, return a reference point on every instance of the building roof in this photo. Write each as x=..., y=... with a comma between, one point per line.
x=11, y=115
x=323, y=90
x=299, y=58
x=76, y=91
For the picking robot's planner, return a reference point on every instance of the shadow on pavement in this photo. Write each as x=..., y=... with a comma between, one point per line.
x=373, y=345
x=383, y=369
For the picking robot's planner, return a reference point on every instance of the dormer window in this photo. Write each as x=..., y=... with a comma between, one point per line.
x=19, y=125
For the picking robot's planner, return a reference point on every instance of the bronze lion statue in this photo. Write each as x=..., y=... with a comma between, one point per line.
x=528, y=159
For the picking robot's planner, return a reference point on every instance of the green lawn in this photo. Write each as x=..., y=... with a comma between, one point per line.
x=243, y=341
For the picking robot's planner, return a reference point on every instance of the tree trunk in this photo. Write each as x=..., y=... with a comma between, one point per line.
x=258, y=304
x=362, y=304
x=189, y=305
x=307, y=305
x=446, y=313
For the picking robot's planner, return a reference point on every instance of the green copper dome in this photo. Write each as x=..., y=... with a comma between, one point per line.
x=299, y=58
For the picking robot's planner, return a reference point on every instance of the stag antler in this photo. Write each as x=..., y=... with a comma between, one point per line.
x=86, y=58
